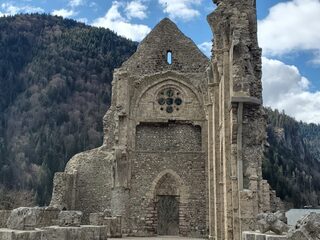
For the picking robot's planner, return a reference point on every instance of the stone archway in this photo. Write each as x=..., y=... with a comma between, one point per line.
x=167, y=205
x=167, y=183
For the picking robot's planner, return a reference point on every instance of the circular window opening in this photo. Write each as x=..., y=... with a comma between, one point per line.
x=169, y=109
x=178, y=101
x=169, y=99
x=161, y=101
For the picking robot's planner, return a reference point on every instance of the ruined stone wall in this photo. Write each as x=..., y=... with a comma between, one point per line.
x=93, y=183
x=151, y=55
x=150, y=135
x=64, y=194
x=237, y=190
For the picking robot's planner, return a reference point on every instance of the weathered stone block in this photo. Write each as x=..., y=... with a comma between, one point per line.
x=261, y=236
x=70, y=218
x=4, y=216
x=250, y=237
x=276, y=237
x=113, y=226
x=9, y=234
x=275, y=222
x=96, y=219
x=74, y=233
x=26, y=218
x=307, y=228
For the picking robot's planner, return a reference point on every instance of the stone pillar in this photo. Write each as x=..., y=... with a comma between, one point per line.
x=120, y=192
x=239, y=125
x=119, y=205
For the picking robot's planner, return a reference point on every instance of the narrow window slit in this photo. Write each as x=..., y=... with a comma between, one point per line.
x=169, y=57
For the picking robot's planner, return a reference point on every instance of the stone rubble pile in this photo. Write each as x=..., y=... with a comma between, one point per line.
x=307, y=228
x=45, y=223
x=272, y=227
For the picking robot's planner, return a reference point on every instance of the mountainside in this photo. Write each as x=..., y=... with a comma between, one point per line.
x=292, y=163
x=55, y=87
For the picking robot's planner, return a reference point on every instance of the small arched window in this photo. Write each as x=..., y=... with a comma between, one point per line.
x=169, y=57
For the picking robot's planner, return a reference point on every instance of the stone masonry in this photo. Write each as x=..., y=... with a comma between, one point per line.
x=152, y=167
x=236, y=122
x=183, y=144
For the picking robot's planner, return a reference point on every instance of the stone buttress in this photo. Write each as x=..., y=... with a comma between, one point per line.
x=237, y=126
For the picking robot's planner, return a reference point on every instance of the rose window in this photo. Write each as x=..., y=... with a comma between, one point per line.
x=169, y=100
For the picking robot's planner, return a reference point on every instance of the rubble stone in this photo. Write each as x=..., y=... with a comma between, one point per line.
x=4, y=216
x=9, y=234
x=308, y=228
x=28, y=218
x=70, y=218
x=275, y=222
x=74, y=233
x=262, y=236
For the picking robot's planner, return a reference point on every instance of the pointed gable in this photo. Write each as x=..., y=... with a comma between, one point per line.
x=163, y=42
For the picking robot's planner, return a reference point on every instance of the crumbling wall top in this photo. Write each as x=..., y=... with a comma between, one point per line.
x=163, y=42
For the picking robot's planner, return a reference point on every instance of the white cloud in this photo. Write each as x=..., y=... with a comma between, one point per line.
x=183, y=9
x=316, y=59
x=136, y=9
x=116, y=22
x=83, y=20
x=93, y=4
x=289, y=26
x=284, y=88
x=10, y=9
x=64, y=13
x=205, y=47
x=76, y=3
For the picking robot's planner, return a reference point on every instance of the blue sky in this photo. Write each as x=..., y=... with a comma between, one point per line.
x=289, y=33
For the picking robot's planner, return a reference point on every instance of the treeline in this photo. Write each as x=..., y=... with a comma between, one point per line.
x=292, y=163
x=55, y=87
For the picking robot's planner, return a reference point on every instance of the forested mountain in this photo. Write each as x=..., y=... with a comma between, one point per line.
x=55, y=87
x=292, y=162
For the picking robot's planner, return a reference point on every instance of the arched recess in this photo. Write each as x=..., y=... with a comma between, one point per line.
x=169, y=200
x=151, y=85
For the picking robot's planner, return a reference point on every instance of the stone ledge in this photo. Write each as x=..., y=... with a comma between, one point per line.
x=247, y=100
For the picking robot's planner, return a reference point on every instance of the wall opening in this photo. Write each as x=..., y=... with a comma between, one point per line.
x=167, y=205
x=169, y=57
x=168, y=215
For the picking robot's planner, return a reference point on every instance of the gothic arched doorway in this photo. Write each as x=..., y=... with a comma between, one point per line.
x=167, y=205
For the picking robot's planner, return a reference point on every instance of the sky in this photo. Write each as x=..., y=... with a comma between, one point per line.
x=288, y=32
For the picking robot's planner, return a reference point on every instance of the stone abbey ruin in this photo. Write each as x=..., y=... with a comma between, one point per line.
x=183, y=146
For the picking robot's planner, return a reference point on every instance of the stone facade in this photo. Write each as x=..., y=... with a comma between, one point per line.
x=152, y=167
x=184, y=137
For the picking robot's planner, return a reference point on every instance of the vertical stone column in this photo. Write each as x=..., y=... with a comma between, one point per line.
x=238, y=124
x=212, y=210
x=120, y=194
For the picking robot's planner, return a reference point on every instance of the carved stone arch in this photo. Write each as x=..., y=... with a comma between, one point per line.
x=169, y=193
x=147, y=83
x=182, y=189
x=146, y=107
